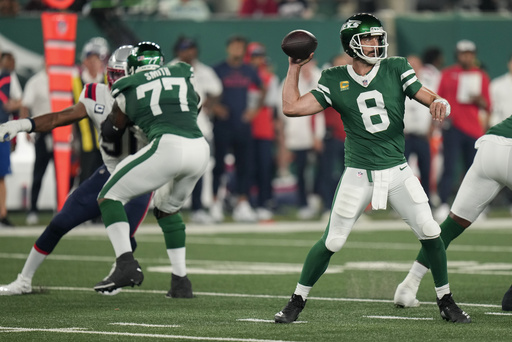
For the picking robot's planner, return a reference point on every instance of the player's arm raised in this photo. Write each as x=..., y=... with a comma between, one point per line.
x=439, y=107
x=43, y=123
x=293, y=103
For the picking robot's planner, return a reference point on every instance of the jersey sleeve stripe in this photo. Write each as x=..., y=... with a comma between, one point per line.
x=90, y=91
x=406, y=74
x=408, y=83
x=324, y=89
x=93, y=86
x=327, y=99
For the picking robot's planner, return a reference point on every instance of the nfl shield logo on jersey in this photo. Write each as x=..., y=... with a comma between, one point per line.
x=359, y=174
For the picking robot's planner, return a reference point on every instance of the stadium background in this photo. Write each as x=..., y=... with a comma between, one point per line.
x=408, y=33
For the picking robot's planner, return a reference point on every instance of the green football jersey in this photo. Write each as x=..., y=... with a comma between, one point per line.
x=372, y=109
x=503, y=129
x=161, y=101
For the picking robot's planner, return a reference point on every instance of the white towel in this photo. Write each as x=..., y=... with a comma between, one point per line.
x=380, y=189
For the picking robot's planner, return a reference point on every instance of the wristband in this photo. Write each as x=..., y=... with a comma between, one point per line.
x=447, y=105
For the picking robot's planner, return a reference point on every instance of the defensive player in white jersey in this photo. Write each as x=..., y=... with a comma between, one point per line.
x=370, y=96
x=162, y=101
x=489, y=173
x=81, y=206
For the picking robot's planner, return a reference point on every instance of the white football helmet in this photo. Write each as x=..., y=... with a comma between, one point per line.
x=117, y=65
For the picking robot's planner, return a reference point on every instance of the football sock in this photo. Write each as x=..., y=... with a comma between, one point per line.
x=441, y=291
x=416, y=273
x=302, y=290
x=34, y=260
x=449, y=231
x=116, y=222
x=173, y=228
x=119, y=235
x=316, y=263
x=177, y=257
x=436, y=255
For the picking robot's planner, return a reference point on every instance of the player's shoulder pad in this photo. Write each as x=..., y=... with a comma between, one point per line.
x=184, y=69
x=120, y=85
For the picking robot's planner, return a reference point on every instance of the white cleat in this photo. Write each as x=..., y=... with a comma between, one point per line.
x=18, y=287
x=405, y=296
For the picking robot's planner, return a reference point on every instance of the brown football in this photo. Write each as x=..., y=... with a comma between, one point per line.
x=299, y=44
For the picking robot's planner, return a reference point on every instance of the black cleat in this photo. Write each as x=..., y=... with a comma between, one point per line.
x=450, y=311
x=181, y=287
x=506, y=303
x=126, y=273
x=291, y=311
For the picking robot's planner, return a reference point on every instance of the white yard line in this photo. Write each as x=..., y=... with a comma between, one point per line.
x=245, y=295
x=273, y=227
x=402, y=318
x=146, y=325
x=112, y=333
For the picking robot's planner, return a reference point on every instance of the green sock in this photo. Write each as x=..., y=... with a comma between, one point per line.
x=436, y=256
x=112, y=212
x=449, y=231
x=173, y=228
x=316, y=263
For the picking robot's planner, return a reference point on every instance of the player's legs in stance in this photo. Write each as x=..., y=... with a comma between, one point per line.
x=80, y=206
x=483, y=181
x=172, y=165
x=351, y=198
x=407, y=197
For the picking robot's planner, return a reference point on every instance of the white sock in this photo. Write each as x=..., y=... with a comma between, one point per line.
x=302, y=290
x=441, y=291
x=416, y=273
x=177, y=257
x=34, y=260
x=119, y=235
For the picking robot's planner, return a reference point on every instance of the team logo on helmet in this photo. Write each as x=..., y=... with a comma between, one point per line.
x=350, y=24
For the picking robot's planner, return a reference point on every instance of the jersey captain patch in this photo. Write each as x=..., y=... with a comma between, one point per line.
x=99, y=108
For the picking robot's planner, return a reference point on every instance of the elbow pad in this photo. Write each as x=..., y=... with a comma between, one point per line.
x=111, y=138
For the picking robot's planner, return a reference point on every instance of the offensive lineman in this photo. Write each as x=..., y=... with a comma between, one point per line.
x=163, y=103
x=489, y=173
x=370, y=96
x=95, y=102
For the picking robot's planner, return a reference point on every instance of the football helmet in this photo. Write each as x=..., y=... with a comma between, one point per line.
x=361, y=25
x=145, y=56
x=117, y=65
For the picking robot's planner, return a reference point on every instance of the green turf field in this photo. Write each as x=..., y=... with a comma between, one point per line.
x=243, y=275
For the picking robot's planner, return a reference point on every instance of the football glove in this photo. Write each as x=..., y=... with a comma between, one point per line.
x=9, y=129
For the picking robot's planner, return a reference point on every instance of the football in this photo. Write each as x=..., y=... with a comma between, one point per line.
x=299, y=44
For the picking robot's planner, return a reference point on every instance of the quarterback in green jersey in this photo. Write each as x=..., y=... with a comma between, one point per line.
x=162, y=102
x=489, y=173
x=370, y=95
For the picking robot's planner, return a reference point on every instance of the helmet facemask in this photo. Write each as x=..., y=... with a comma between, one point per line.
x=381, y=50
x=117, y=65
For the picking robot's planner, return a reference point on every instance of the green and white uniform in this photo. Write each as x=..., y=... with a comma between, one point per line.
x=164, y=104
x=489, y=173
x=372, y=109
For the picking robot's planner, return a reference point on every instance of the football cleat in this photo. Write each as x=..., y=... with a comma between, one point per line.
x=18, y=287
x=113, y=292
x=450, y=311
x=291, y=311
x=127, y=272
x=405, y=296
x=506, y=303
x=181, y=287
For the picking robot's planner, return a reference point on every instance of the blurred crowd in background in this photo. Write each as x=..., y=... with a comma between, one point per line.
x=206, y=9
x=261, y=160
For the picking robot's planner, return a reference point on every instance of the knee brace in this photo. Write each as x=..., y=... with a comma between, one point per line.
x=430, y=229
x=173, y=228
x=336, y=238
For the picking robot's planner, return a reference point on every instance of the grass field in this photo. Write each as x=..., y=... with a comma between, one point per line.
x=243, y=274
